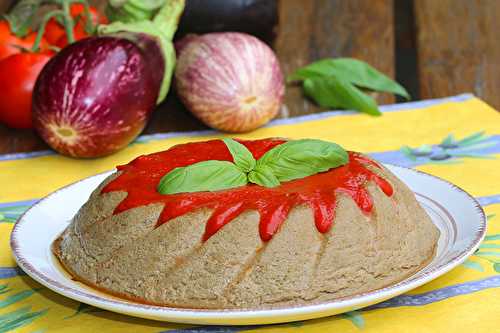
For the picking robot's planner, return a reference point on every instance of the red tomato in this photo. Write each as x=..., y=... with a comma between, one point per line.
x=53, y=31
x=18, y=74
x=11, y=44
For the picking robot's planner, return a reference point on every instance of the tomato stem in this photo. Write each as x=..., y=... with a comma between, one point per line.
x=41, y=30
x=68, y=21
x=89, y=24
x=90, y=27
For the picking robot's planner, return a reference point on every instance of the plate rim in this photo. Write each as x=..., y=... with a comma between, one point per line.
x=173, y=314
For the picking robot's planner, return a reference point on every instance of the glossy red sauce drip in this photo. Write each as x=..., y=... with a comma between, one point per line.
x=141, y=176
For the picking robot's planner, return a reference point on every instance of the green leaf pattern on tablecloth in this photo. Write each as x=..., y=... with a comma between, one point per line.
x=473, y=265
x=488, y=252
x=450, y=150
x=9, y=214
x=20, y=317
x=354, y=317
x=84, y=308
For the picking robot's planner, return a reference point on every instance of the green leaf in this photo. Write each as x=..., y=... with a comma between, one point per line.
x=473, y=265
x=355, y=317
x=423, y=150
x=263, y=176
x=202, y=176
x=330, y=92
x=476, y=146
x=350, y=70
x=472, y=155
x=408, y=152
x=489, y=246
x=473, y=138
x=14, y=209
x=8, y=220
x=20, y=320
x=21, y=15
x=242, y=157
x=16, y=298
x=9, y=316
x=301, y=158
x=4, y=289
x=492, y=237
x=496, y=267
x=449, y=140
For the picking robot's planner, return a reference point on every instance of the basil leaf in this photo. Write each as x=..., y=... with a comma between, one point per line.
x=332, y=93
x=302, y=158
x=242, y=157
x=317, y=69
x=350, y=70
x=202, y=176
x=263, y=176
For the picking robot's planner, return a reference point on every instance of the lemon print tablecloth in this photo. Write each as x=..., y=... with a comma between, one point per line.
x=456, y=138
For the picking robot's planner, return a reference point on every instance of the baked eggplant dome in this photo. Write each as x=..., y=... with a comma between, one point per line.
x=227, y=224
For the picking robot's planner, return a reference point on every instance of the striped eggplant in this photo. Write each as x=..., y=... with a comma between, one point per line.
x=230, y=81
x=96, y=95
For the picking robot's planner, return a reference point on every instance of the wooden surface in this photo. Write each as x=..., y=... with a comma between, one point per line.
x=458, y=46
x=435, y=48
x=311, y=30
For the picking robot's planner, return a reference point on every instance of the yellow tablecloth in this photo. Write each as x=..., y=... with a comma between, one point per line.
x=466, y=299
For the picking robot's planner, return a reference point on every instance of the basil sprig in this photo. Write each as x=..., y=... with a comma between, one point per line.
x=336, y=83
x=288, y=161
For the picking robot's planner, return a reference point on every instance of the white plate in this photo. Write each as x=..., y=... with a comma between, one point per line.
x=458, y=216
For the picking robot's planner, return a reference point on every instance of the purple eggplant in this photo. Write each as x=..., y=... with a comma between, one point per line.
x=254, y=17
x=96, y=95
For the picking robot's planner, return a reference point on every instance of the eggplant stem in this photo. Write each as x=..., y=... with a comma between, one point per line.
x=161, y=28
x=168, y=16
x=41, y=30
